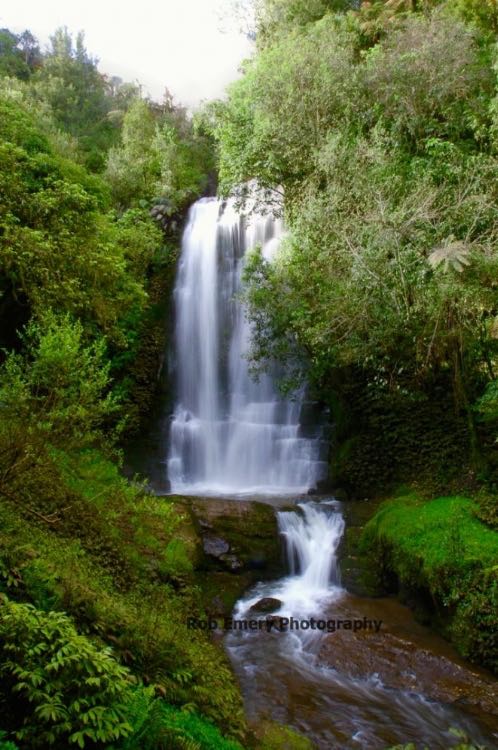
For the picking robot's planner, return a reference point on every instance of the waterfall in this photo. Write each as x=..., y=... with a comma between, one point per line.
x=230, y=433
x=311, y=537
x=311, y=542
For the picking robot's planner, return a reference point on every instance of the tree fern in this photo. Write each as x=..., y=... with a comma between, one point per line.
x=453, y=254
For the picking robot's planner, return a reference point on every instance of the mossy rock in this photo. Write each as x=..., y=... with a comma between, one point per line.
x=221, y=590
x=357, y=573
x=444, y=563
x=249, y=527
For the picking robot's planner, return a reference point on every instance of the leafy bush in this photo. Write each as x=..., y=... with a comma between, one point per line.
x=68, y=689
x=381, y=144
x=55, y=395
x=6, y=744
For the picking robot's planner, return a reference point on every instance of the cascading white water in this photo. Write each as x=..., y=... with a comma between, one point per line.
x=230, y=433
x=311, y=537
x=311, y=541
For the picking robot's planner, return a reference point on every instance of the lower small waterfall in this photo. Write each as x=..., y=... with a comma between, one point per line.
x=311, y=540
x=229, y=433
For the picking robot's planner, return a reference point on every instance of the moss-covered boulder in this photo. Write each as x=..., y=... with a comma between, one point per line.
x=249, y=528
x=442, y=559
x=357, y=575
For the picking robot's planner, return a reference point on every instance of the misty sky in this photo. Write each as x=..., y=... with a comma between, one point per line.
x=191, y=46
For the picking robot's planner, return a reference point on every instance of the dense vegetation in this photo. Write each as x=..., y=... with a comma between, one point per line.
x=440, y=548
x=96, y=579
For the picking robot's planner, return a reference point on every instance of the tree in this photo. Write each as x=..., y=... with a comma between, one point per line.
x=276, y=18
x=385, y=156
x=77, y=93
x=18, y=54
x=161, y=157
x=60, y=248
x=28, y=44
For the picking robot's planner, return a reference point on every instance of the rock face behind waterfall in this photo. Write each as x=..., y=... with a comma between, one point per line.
x=229, y=433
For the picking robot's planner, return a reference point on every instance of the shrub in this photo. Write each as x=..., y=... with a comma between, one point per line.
x=70, y=691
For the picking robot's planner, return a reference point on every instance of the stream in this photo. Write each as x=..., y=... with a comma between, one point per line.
x=347, y=689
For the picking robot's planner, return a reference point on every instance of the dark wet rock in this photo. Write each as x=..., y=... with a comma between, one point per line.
x=216, y=607
x=339, y=493
x=357, y=573
x=220, y=589
x=246, y=549
x=322, y=487
x=268, y=604
x=215, y=546
x=249, y=528
x=231, y=562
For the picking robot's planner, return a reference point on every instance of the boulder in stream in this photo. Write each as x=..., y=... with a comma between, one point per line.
x=267, y=604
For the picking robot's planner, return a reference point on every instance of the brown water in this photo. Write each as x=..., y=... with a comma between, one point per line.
x=358, y=690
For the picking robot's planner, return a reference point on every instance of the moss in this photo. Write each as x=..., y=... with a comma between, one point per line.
x=249, y=527
x=486, y=509
x=144, y=375
x=439, y=550
x=220, y=591
x=357, y=574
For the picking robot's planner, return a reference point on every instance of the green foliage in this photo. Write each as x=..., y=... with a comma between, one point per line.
x=161, y=157
x=158, y=725
x=382, y=143
x=283, y=106
x=121, y=563
x=77, y=93
x=132, y=168
x=58, y=249
x=61, y=245
x=482, y=14
x=6, y=744
x=487, y=405
x=60, y=688
x=487, y=508
x=85, y=274
x=67, y=688
x=19, y=54
x=51, y=396
x=278, y=737
x=276, y=18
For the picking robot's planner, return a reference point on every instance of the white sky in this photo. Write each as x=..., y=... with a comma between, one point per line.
x=190, y=46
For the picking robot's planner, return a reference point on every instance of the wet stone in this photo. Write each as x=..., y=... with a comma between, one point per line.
x=215, y=546
x=268, y=604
